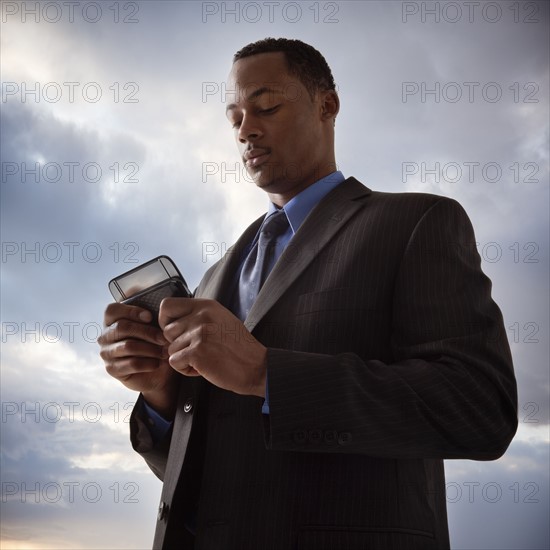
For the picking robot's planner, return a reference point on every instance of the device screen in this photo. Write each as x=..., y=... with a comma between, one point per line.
x=147, y=276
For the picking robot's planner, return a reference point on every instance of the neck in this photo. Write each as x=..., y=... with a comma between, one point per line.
x=281, y=198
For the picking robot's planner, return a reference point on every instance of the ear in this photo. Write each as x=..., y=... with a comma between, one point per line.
x=330, y=104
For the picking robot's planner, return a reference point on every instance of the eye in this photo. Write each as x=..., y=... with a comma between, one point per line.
x=270, y=110
x=236, y=125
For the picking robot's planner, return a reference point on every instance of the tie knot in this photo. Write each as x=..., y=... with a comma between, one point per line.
x=275, y=225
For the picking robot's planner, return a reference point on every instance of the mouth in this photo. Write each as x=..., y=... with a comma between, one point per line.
x=255, y=157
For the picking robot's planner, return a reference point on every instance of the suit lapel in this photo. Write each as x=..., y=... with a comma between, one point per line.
x=320, y=226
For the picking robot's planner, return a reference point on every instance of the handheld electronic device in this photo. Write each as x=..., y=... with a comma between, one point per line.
x=148, y=284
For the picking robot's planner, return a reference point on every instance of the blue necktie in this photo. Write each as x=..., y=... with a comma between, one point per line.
x=261, y=259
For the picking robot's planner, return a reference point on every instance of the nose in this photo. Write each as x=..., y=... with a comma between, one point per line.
x=249, y=129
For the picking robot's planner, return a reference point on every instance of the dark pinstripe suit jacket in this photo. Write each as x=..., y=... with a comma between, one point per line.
x=386, y=355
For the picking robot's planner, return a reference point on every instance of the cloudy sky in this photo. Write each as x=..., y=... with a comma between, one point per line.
x=115, y=149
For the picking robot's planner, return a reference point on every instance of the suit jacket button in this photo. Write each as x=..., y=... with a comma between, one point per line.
x=300, y=436
x=188, y=405
x=163, y=511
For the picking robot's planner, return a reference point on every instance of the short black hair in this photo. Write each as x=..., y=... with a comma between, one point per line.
x=303, y=61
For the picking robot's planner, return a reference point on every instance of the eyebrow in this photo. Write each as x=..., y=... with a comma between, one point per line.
x=254, y=95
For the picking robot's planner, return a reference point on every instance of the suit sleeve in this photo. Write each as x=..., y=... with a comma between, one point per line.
x=449, y=390
x=154, y=453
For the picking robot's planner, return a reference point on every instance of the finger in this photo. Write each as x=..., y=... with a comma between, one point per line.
x=183, y=341
x=174, y=308
x=179, y=327
x=189, y=371
x=124, y=329
x=128, y=366
x=180, y=361
x=132, y=348
x=116, y=311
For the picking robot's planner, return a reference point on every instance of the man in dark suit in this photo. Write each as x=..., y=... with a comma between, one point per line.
x=313, y=411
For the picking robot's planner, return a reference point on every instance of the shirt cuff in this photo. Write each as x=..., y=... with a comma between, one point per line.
x=158, y=426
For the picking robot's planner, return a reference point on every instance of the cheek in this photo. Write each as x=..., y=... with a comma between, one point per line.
x=296, y=141
x=302, y=144
x=298, y=160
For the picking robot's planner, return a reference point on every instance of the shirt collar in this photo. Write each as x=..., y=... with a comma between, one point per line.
x=302, y=204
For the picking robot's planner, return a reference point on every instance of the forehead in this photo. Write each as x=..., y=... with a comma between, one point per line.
x=265, y=70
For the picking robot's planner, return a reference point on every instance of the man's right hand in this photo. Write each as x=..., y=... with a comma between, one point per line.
x=135, y=353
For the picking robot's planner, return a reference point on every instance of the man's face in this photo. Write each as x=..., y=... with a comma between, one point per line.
x=278, y=127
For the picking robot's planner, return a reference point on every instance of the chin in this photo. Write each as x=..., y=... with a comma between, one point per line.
x=268, y=183
x=264, y=179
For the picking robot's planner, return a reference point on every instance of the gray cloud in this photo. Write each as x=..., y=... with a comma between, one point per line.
x=170, y=133
x=487, y=501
